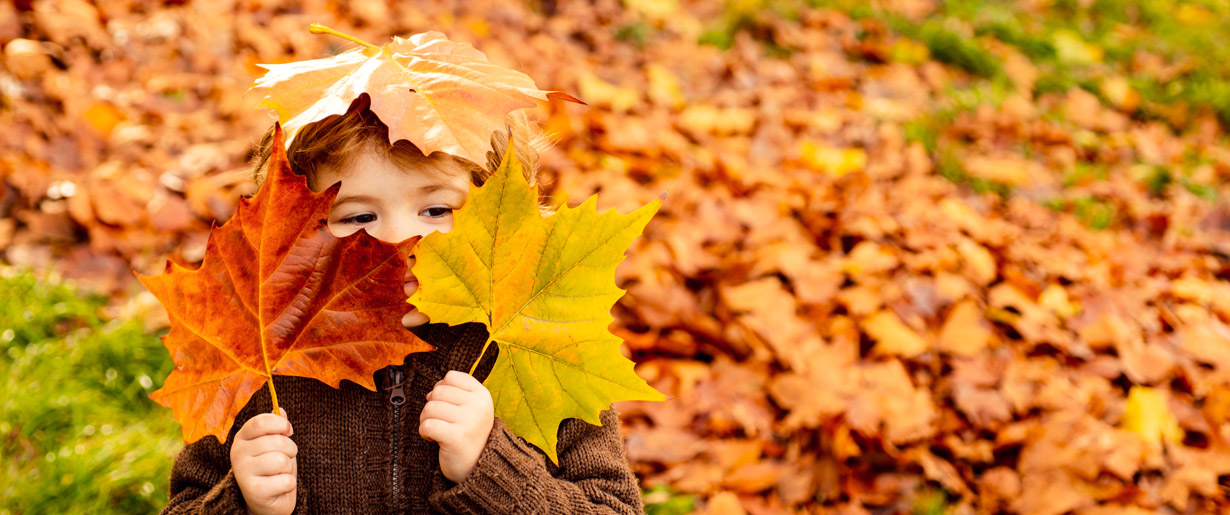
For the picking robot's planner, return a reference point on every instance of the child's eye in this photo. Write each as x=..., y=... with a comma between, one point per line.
x=364, y=218
x=437, y=212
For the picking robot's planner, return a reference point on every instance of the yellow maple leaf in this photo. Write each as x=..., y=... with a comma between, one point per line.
x=544, y=287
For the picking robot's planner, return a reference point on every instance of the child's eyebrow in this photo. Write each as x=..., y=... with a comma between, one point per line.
x=431, y=188
x=354, y=198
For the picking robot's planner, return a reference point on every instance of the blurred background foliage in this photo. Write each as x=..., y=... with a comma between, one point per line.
x=933, y=189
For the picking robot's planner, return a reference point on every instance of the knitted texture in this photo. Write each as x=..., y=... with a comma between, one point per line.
x=347, y=437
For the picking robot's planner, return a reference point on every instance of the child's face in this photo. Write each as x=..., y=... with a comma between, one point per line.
x=391, y=201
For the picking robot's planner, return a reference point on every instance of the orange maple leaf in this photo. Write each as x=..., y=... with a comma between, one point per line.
x=435, y=93
x=278, y=294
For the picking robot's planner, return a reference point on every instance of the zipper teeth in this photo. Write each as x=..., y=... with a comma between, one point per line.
x=396, y=481
x=395, y=435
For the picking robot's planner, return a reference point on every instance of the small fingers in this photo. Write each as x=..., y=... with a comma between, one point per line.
x=441, y=410
x=448, y=393
x=434, y=429
x=273, y=443
x=279, y=484
x=413, y=319
x=271, y=464
x=461, y=380
x=264, y=424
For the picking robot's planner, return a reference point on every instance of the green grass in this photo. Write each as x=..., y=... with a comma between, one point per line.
x=78, y=432
x=950, y=168
x=663, y=501
x=637, y=33
x=1059, y=37
x=930, y=501
x=1084, y=173
x=1097, y=214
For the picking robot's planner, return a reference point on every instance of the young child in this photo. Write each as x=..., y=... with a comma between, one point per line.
x=427, y=440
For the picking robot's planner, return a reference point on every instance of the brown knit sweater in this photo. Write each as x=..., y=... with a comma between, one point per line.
x=360, y=453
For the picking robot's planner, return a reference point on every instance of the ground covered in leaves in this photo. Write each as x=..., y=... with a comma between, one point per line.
x=916, y=257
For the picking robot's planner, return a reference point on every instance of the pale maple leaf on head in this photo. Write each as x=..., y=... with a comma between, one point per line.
x=438, y=94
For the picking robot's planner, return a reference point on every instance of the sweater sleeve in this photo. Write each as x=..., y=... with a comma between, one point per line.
x=512, y=476
x=202, y=481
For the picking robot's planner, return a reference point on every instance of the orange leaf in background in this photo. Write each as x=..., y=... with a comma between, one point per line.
x=892, y=336
x=435, y=93
x=965, y=333
x=103, y=117
x=278, y=294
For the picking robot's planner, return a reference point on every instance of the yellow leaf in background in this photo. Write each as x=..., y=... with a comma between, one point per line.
x=1148, y=415
x=703, y=118
x=1013, y=171
x=657, y=10
x=604, y=94
x=544, y=287
x=1119, y=91
x=664, y=89
x=1072, y=49
x=103, y=117
x=906, y=50
x=892, y=336
x=837, y=161
x=1194, y=15
x=747, y=7
x=1055, y=298
x=980, y=265
x=479, y=27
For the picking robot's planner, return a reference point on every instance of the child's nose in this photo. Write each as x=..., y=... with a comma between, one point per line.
x=398, y=229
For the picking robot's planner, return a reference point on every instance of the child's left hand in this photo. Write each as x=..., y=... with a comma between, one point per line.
x=458, y=415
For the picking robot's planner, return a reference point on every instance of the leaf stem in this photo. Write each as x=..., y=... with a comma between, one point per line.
x=480, y=355
x=317, y=28
x=273, y=393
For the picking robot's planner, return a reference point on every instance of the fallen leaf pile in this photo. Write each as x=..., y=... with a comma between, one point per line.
x=879, y=279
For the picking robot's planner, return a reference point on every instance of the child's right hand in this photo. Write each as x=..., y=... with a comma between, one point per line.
x=413, y=318
x=263, y=460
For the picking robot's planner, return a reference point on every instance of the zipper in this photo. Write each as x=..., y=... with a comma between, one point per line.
x=397, y=397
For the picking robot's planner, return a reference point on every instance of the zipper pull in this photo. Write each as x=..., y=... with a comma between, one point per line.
x=398, y=396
